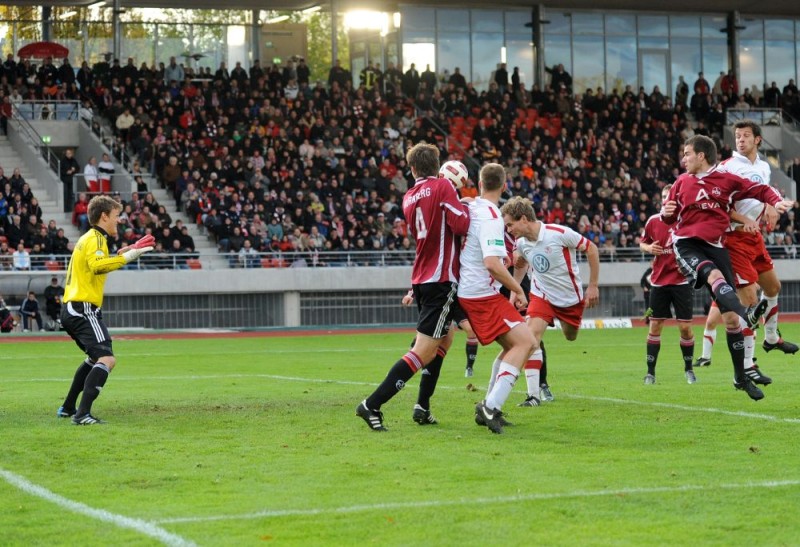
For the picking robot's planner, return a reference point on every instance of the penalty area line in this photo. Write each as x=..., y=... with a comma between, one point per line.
x=137, y=525
x=479, y=501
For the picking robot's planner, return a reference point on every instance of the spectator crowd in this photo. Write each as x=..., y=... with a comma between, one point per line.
x=272, y=160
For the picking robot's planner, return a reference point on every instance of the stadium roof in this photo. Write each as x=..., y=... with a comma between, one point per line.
x=773, y=7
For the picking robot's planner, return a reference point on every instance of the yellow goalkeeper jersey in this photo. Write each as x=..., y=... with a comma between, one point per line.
x=90, y=262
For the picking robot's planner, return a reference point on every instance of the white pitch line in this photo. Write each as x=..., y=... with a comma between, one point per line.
x=737, y=413
x=711, y=410
x=477, y=501
x=137, y=525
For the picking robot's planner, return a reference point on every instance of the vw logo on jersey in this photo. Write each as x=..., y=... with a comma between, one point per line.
x=540, y=263
x=755, y=177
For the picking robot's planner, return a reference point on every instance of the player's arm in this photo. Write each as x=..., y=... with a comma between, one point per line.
x=493, y=249
x=456, y=213
x=408, y=299
x=748, y=224
x=762, y=192
x=648, y=245
x=520, y=266
x=592, y=295
x=495, y=266
x=670, y=209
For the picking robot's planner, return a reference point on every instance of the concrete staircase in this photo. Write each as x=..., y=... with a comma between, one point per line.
x=210, y=257
x=9, y=160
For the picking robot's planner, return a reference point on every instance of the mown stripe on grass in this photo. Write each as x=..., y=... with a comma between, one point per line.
x=478, y=501
x=613, y=400
x=143, y=527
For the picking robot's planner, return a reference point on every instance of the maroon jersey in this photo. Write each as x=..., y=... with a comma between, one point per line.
x=435, y=217
x=665, y=268
x=704, y=203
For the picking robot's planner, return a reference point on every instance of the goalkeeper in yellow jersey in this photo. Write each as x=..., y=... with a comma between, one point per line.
x=83, y=297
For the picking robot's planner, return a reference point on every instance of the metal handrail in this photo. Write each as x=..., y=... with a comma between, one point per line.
x=36, y=140
x=319, y=259
x=762, y=116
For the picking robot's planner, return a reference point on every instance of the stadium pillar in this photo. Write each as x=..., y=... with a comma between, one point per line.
x=47, y=23
x=291, y=309
x=255, y=39
x=334, y=31
x=732, y=29
x=537, y=42
x=115, y=24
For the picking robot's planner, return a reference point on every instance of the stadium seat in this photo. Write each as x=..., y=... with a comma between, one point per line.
x=194, y=264
x=266, y=263
x=53, y=265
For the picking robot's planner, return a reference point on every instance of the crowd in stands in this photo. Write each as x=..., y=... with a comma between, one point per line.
x=26, y=242
x=277, y=160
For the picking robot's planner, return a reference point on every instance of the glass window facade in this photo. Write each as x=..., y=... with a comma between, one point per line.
x=614, y=49
x=473, y=40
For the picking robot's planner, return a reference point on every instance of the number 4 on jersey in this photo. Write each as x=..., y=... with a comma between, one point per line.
x=419, y=222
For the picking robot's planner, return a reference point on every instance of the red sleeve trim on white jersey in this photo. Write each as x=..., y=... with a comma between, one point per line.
x=568, y=260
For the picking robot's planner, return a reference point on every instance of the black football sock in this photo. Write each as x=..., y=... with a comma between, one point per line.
x=653, y=347
x=78, y=382
x=736, y=347
x=726, y=298
x=400, y=373
x=91, y=389
x=543, y=371
x=472, y=351
x=687, y=350
x=427, y=382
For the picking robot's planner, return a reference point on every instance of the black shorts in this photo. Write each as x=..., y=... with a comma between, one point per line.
x=692, y=253
x=84, y=323
x=678, y=296
x=436, y=303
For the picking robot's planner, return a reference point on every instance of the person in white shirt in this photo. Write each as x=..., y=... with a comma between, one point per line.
x=92, y=176
x=751, y=262
x=106, y=170
x=21, y=258
x=547, y=251
x=492, y=316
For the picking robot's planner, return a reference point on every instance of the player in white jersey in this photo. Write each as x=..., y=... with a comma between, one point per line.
x=493, y=317
x=547, y=252
x=749, y=257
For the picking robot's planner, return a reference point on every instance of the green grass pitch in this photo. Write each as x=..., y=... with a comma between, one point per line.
x=254, y=441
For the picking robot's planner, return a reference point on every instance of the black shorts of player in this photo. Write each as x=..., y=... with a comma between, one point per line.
x=692, y=254
x=84, y=323
x=678, y=296
x=437, y=303
x=458, y=314
x=526, y=288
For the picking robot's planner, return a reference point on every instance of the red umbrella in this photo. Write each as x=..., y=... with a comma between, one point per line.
x=43, y=50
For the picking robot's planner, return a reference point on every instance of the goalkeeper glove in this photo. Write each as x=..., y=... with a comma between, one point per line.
x=146, y=241
x=134, y=254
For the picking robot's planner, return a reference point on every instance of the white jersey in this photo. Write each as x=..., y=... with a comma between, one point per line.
x=758, y=172
x=553, y=268
x=486, y=237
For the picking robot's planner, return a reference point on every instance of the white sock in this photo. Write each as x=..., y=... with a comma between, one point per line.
x=532, y=369
x=709, y=337
x=749, y=347
x=495, y=372
x=503, y=385
x=771, y=320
